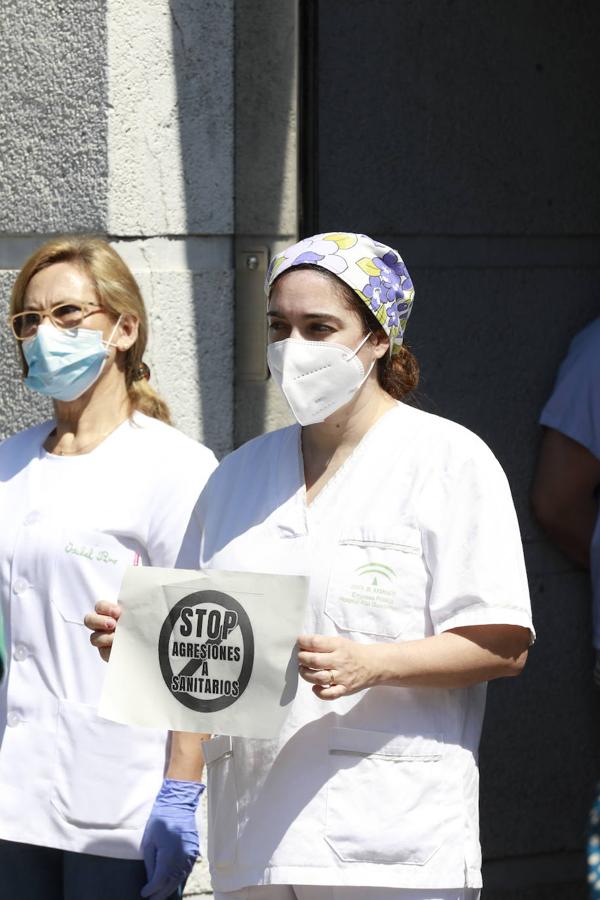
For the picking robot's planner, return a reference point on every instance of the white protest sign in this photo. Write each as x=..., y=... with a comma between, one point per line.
x=208, y=651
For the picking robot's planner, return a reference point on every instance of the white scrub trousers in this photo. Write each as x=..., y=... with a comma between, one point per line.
x=341, y=892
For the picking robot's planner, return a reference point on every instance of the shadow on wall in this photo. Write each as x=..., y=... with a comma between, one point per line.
x=259, y=64
x=267, y=48
x=202, y=42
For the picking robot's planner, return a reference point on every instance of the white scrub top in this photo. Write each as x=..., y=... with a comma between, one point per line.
x=415, y=534
x=574, y=410
x=70, y=526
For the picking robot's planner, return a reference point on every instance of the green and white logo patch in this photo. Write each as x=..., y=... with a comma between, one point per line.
x=372, y=584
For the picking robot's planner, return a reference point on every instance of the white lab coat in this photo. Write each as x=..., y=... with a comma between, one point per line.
x=69, y=527
x=414, y=535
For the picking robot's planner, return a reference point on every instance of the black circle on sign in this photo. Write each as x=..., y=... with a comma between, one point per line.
x=199, y=598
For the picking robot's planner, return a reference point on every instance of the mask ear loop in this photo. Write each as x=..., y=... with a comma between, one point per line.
x=109, y=343
x=362, y=343
x=352, y=355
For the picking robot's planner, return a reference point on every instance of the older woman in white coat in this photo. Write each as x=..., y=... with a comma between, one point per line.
x=418, y=596
x=106, y=484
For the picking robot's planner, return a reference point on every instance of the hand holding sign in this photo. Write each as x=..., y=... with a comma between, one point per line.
x=102, y=623
x=336, y=666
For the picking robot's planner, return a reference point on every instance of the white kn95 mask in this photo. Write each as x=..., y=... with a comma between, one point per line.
x=316, y=377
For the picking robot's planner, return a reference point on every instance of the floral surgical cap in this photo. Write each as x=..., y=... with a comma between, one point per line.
x=374, y=271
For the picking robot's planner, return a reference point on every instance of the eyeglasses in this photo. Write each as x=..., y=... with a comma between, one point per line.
x=64, y=315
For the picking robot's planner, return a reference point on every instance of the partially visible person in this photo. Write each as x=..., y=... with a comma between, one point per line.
x=565, y=495
x=567, y=479
x=109, y=483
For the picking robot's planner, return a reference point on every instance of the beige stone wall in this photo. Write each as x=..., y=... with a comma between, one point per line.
x=119, y=121
x=169, y=126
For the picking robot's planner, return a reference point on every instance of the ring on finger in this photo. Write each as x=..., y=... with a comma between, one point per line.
x=331, y=678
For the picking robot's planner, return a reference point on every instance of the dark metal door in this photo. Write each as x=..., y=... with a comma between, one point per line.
x=466, y=134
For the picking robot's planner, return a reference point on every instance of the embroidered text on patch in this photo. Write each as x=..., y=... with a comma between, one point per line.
x=93, y=553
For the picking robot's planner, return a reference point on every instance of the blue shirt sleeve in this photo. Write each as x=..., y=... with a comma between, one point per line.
x=574, y=406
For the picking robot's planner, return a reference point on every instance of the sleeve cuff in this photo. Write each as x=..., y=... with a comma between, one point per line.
x=568, y=429
x=488, y=615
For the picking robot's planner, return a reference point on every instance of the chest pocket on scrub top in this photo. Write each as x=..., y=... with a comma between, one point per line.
x=89, y=566
x=378, y=582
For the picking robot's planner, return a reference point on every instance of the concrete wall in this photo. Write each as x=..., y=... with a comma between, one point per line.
x=466, y=135
x=267, y=41
x=53, y=152
x=119, y=121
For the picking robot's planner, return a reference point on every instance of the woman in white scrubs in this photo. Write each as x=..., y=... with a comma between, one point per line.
x=107, y=484
x=418, y=595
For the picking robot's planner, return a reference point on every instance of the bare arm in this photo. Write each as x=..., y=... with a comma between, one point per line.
x=186, y=760
x=457, y=658
x=564, y=494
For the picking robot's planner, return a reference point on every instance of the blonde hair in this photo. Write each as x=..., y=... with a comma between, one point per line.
x=117, y=292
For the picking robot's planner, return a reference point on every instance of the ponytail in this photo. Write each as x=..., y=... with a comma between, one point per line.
x=144, y=399
x=398, y=374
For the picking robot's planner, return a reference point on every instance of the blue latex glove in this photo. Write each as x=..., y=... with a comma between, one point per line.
x=170, y=843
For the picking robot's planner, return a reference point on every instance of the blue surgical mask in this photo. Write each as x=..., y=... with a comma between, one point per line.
x=63, y=364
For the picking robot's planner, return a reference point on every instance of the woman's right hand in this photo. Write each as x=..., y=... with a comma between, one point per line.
x=102, y=623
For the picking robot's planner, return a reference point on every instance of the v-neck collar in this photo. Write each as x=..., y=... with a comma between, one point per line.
x=311, y=510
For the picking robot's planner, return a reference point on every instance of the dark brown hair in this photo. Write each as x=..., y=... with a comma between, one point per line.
x=398, y=373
